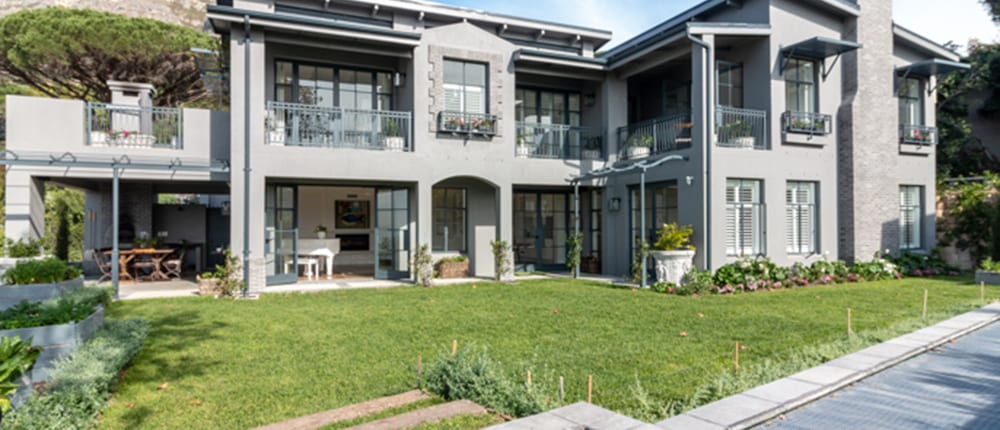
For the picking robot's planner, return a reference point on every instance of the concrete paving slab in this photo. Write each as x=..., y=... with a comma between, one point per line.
x=583, y=413
x=426, y=415
x=733, y=410
x=784, y=390
x=540, y=421
x=825, y=374
x=687, y=422
x=891, y=350
x=904, y=341
x=859, y=361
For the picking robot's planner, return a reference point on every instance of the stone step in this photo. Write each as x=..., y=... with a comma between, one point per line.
x=351, y=412
x=425, y=415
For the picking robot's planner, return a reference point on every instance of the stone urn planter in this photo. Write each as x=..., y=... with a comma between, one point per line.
x=523, y=151
x=591, y=154
x=394, y=144
x=638, y=152
x=746, y=142
x=671, y=266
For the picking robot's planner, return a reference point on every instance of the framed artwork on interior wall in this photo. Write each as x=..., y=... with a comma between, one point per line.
x=352, y=214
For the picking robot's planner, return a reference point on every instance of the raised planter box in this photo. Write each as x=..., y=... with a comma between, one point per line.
x=590, y=265
x=453, y=269
x=989, y=278
x=11, y=295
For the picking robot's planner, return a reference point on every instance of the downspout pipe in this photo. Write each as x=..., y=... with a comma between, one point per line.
x=246, y=155
x=706, y=152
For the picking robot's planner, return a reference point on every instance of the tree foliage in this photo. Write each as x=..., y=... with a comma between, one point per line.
x=64, y=216
x=72, y=53
x=993, y=7
x=959, y=152
x=973, y=216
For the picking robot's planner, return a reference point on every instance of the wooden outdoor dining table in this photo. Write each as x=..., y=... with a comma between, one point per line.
x=126, y=256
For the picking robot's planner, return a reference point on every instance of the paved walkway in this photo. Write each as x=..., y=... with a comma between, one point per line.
x=956, y=385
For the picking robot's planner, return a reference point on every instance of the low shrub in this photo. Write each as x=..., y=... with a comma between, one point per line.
x=24, y=248
x=73, y=306
x=81, y=384
x=17, y=357
x=912, y=264
x=671, y=237
x=472, y=375
x=988, y=265
x=44, y=271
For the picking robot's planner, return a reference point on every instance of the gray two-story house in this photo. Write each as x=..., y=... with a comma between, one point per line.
x=362, y=129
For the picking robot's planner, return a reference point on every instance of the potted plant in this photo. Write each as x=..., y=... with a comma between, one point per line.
x=392, y=139
x=453, y=267
x=638, y=146
x=482, y=125
x=320, y=231
x=590, y=263
x=673, y=253
x=454, y=123
x=523, y=150
x=739, y=134
x=592, y=148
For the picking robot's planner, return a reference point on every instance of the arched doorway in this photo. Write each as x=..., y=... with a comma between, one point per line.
x=464, y=220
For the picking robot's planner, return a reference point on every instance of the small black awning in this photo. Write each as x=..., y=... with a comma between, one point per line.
x=819, y=48
x=932, y=67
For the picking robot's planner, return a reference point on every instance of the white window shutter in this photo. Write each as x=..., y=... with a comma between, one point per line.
x=452, y=98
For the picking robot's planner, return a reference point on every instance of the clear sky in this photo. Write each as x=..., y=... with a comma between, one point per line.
x=939, y=20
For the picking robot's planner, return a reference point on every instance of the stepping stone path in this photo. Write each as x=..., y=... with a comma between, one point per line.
x=371, y=407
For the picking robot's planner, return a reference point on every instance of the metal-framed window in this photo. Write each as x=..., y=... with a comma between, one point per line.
x=547, y=106
x=329, y=86
x=465, y=87
x=744, y=217
x=729, y=84
x=911, y=102
x=661, y=208
x=911, y=210
x=449, y=216
x=595, y=221
x=801, y=226
x=801, y=93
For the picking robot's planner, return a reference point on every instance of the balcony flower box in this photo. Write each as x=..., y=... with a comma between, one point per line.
x=453, y=267
x=745, y=142
x=394, y=144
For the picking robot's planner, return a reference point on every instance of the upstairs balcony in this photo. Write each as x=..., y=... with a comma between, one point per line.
x=294, y=124
x=741, y=128
x=128, y=126
x=921, y=135
x=654, y=136
x=559, y=141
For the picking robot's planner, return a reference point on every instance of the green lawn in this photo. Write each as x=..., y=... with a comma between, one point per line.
x=250, y=363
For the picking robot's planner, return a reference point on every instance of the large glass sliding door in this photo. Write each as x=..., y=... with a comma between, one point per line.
x=541, y=226
x=392, y=233
x=280, y=234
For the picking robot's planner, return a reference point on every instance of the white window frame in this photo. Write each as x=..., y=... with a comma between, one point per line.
x=917, y=211
x=737, y=210
x=798, y=241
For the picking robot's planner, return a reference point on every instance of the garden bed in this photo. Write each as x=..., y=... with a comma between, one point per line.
x=11, y=295
x=69, y=335
x=989, y=278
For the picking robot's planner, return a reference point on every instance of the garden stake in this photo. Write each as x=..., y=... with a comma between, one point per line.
x=736, y=359
x=454, y=347
x=420, y=369
x=925, y=304
x=982, y=291
x=562, y=393
x=529, y=379
x=849, y=331
x=590, y=387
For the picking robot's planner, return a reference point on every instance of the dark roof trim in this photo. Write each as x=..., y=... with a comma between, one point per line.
x=308, y=20
x=664, y=29
x=932, y=67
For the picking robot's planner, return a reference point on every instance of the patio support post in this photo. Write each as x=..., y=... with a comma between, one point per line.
x=576, y=223
x=642, y=221
x=114, y=228
x=246, y=154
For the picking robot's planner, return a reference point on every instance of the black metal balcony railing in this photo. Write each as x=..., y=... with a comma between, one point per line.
x=654, y=136
x=467, y=123
x=536, y=140
x=293, y=124
x=807, y=123
x=741, y=128
x=917, y=134
x=133, y=126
